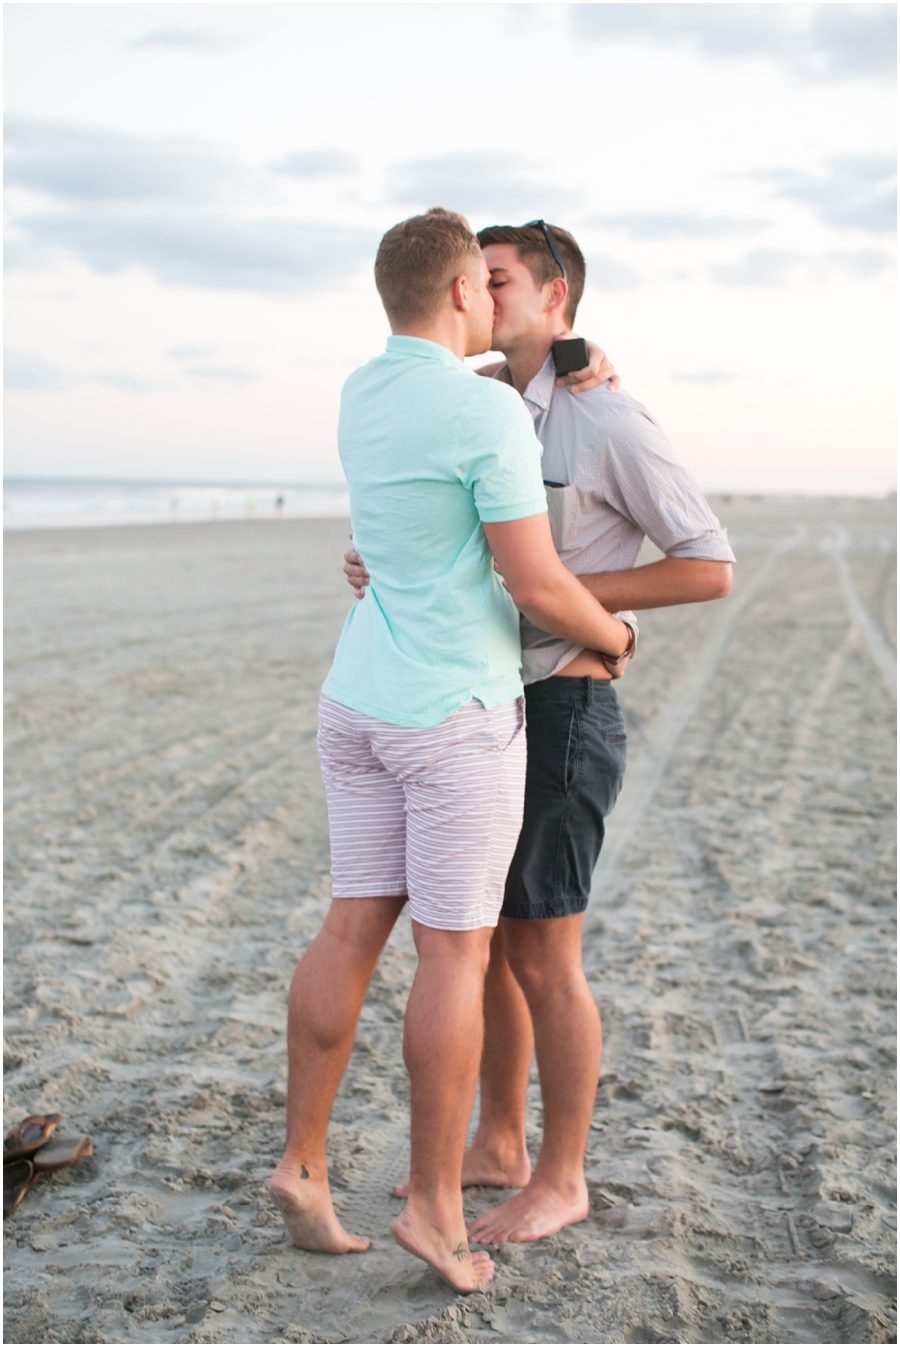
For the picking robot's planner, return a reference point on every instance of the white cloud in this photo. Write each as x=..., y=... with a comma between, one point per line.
x=220, y=374
x=763, y=266
x=317, y=164
x=665, y=225
x=857, y=191
x=205, y=249
x=770, y=267
x=704, y=376
x=76, y=163
x=201, y=352
x=505, y=188
x=608, y=273
x=860, y=265
x=30, y=372
x=822, y=42
x=186, y=39
x=173, y=207
x=123, y=381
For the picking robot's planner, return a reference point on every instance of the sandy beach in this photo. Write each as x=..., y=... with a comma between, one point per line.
x=167, y=862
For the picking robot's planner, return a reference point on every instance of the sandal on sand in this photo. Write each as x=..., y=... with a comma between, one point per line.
x=61, y=1153
x=29, y=1135
x=18, y=1177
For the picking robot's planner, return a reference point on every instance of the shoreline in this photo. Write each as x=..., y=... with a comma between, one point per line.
x=719, y=499
x=68, y=527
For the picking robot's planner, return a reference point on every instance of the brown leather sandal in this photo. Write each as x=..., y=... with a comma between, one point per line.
x=61, y=1153
x=29, y=1135
x=18, y=1177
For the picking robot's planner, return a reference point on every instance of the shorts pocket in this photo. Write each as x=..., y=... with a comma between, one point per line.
x=608, y=718
x=572, y=768
x=508, y=723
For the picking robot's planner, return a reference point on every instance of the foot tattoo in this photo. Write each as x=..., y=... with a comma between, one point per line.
x=305, y=1203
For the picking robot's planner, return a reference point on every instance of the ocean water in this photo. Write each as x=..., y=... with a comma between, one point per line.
x=49, y=503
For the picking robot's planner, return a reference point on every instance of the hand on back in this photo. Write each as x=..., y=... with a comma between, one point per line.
x=357, y=575
x=594, y=375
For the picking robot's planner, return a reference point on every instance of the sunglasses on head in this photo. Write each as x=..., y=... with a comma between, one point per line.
x=551, y=244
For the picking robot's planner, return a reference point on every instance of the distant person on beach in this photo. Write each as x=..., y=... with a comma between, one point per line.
x=611, y=480
x=421, y=731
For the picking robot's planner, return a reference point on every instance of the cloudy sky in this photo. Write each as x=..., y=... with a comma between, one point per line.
x=195, y=193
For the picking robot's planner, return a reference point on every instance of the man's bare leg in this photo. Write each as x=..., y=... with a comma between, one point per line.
x=497, y=1157
x=327, y=993
x=546, y=959
x=442, y=1050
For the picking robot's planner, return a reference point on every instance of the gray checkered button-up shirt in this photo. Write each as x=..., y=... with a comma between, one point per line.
x=612, y=479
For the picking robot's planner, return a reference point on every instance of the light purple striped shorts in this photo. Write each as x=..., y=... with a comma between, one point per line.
x=434, y=813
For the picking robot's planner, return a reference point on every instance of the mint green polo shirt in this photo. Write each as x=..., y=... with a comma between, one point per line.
x=431, y=451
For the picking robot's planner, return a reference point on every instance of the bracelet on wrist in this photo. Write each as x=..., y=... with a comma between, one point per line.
x=629, y=649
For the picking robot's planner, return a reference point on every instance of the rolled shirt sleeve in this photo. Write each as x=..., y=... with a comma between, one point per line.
x=645, y=482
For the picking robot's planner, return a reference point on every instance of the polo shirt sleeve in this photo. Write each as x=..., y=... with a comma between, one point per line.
x=499, y=456
x=645, y=482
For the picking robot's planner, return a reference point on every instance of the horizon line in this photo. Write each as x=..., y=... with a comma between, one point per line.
x=175, y=481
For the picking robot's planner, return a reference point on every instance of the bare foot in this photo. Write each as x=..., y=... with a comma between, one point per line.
x=484, y=1167
x=451, y=1258
x=535, y=1213
x=305, y=1203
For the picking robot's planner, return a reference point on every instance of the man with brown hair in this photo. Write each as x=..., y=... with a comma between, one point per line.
x=611, y=479
x=421, y=726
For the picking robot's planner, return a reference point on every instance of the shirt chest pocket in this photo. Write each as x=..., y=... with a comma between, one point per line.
x=562, y=508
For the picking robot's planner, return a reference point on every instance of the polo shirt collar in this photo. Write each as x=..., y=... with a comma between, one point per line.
x=425, y=350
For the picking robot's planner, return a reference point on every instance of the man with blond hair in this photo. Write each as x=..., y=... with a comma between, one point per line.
x=421, y=732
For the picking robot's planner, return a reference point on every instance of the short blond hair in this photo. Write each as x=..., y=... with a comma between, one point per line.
x=417, y=260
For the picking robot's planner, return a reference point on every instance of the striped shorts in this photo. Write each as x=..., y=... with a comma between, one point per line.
x=433, y=813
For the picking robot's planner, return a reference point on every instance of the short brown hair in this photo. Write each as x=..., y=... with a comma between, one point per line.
x=418, y=259
x=533, y=251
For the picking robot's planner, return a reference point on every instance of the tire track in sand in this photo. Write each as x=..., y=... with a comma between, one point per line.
x=879, y=649
x=644, y=775
x=736, y=1111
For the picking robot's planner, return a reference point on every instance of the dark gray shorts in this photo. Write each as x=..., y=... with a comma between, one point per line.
x=576, y=763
